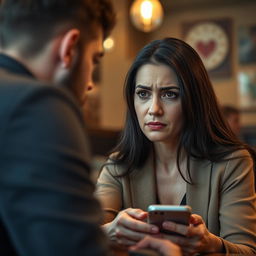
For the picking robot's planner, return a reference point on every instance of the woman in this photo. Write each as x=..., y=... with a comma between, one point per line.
x=177, y=149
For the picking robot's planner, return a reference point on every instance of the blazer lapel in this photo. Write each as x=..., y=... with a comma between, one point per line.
x=198, y=194
x=143, y=188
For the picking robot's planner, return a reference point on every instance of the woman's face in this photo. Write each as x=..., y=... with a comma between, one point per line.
x=157, y=103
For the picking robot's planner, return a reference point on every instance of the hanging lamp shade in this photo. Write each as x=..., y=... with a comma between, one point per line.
x=146, y=15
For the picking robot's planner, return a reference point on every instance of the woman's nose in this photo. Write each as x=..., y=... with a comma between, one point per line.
x=155, y=108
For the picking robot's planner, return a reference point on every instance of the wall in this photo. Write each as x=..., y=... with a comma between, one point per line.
x=116, y=63
x=114, y=67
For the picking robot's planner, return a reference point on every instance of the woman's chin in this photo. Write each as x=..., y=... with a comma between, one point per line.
x=157, y=138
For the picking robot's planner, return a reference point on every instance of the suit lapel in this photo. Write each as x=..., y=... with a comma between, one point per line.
x=198, y=194
x=143, y=188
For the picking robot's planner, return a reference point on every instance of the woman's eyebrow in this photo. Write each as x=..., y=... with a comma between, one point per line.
x=161, y=89
x=143, y=87
x=169, y=88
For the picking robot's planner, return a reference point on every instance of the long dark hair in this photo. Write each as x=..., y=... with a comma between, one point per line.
x=204, y=128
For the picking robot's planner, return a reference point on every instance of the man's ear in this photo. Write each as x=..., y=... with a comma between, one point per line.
x=67, y=47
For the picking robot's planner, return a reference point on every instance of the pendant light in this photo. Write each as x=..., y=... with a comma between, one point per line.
x=146, y=15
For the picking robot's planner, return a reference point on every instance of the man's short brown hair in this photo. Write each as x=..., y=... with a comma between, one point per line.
x=31, y=23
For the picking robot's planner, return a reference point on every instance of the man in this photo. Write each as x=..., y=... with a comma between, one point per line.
x=48, y=53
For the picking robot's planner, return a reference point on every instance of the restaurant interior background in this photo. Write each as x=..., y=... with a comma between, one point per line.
x=232, y=41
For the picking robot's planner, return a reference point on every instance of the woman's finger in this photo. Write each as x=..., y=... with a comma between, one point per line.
x=125, y=242
x=175, y=227
x=123, y=232
x=161, y=245
x=179, y=240
x=137, y=225
x=196, y=219
x=196, y=231
x=136, y=213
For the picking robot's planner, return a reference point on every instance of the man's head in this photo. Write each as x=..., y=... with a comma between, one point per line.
x=58, y=40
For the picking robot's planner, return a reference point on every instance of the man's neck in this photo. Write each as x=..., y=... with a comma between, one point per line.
x=11, y=64
x=39, y=66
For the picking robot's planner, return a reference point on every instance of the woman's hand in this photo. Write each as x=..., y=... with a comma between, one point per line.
x=196, y=238
x=129, y=227
x=163, y=246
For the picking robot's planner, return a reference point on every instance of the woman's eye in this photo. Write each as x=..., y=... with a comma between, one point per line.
x=170, y=95
x=143, y=94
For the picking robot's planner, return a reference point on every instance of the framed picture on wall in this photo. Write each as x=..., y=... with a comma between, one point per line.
x=247, y=44
x=212, y=39
x=247, y=90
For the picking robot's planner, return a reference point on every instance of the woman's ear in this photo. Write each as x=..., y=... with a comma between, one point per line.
x=67, y=47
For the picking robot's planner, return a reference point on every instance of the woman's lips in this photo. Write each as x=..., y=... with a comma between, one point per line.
x=155, y=126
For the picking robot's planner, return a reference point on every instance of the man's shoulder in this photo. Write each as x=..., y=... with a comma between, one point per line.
x=11, y=84
x=16, y=90
x=15, y=82
x=30, y=109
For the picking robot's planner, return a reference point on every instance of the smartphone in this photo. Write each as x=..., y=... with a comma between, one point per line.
x=157, y=214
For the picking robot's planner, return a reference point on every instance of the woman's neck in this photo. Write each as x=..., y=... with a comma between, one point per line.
x=165, y=153
x=166, y=159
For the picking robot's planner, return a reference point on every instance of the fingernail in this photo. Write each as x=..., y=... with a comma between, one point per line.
x=154, y=229
x=167, y=225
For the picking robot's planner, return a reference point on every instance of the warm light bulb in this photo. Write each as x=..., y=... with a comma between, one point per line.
x=108, y=43
x=146, y=9
x=146, y=15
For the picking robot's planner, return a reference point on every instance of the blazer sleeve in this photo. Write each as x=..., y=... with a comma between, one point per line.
x=47, y=205
x=238, y=206
x=109, y=190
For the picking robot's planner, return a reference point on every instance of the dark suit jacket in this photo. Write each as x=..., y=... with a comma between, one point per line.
x=46, y=196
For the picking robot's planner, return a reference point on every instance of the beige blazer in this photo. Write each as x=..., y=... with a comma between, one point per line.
x=222, y=193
